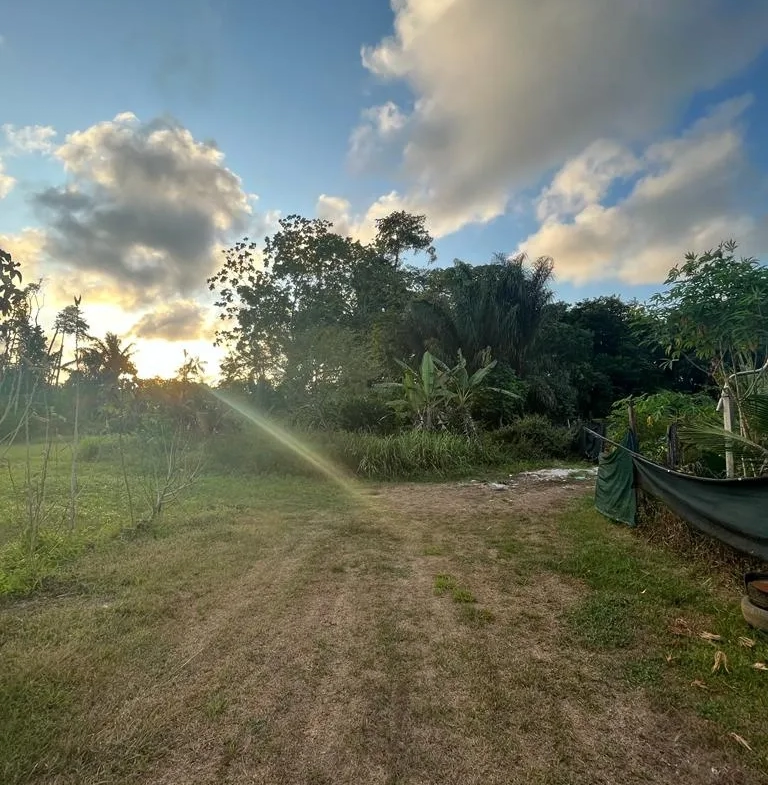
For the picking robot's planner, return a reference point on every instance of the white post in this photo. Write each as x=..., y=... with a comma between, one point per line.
x=727, y=405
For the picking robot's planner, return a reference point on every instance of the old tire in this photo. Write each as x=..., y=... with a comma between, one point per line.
x=754, y=616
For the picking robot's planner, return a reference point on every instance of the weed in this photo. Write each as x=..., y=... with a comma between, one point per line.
x=476, y=617
x=605, y=620
x=447, y=583
x=216, y=705
x=460, y=595
x=444, y=583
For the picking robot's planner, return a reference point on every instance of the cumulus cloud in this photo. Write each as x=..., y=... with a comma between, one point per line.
x=29, y=138
x=380, y=127
x=184, y=320
x=6, y=182
x=440, y=223
x=586, y=178
x=26, y=247
x=145, y=208
x=684, y=197
x=506, y=90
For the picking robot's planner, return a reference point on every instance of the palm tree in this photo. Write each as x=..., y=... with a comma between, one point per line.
x=109, y=361
x=749, y=445
x=497, y=307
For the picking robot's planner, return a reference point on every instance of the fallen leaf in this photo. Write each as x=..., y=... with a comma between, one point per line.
x=669, y=658
x=699, y=684
x=741, y=740
x=760, y=666
x=747, y=643
x=721, y=661
x=710, y=636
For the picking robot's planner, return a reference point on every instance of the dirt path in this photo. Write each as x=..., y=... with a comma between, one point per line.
x=338, y=663
x=417, y=641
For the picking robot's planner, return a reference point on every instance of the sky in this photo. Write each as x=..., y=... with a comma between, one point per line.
x=138, y=140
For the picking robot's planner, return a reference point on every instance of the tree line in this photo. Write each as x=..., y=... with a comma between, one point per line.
x=326, y=331
x=315, y=322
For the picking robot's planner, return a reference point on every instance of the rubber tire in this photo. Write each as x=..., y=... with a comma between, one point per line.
x=754, y=616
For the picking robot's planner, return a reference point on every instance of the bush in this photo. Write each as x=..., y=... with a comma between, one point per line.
x=535, y=437
x=365, y=413
x=654, y=413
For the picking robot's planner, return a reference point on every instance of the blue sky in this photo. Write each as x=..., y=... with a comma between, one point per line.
x=611, y=138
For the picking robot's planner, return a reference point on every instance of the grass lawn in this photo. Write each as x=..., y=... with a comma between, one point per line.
x=289, y=631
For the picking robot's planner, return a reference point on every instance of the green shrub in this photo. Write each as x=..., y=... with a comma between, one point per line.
x=23, y=569
x=535, y=437
x=654, y=413
x=365, y=413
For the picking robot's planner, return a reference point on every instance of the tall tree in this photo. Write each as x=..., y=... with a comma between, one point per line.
x=497, y=307
x=400, y=232
x=107, y=361
x=10, y=278
x=714, y=313
x=312, y=291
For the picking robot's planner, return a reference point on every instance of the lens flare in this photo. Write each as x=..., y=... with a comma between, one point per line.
x=310, y=456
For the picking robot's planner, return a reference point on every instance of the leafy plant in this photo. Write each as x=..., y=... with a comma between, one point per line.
x=424, y=392
x=437, y=395
x=655, y=412
x=715, y=312
x=464, y=389
x=749, y=448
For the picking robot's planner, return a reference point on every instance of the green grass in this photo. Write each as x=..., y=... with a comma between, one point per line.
x=448, y=584
x=106, y=611
x=637, y=595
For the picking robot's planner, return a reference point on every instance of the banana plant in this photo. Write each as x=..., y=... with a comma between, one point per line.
x=435, y=393
x=424, y=391
x=463, y=388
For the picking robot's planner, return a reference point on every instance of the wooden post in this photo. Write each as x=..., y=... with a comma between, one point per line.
x=673, y=446
x=727, y=405
x=632, y=417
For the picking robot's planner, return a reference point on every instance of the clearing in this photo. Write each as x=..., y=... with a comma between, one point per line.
x=289, y=632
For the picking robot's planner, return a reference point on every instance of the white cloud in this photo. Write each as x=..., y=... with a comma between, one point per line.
x=25, y=247
x=685, y=198
x=381, y=126
x=439, y=223
x=505, y=90
x=6, y=182
x=29, y=138
x=146, y=209
x=585, y=179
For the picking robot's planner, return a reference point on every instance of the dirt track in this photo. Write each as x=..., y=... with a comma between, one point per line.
x=333, y=660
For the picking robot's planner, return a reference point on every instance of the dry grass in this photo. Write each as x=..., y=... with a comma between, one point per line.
x=661, y=526
x=299, y=638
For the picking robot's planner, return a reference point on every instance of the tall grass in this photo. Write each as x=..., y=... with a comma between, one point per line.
x=406, y=455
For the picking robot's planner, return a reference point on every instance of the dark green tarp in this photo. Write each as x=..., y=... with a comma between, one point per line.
x=614, y=491
x=732, y=511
